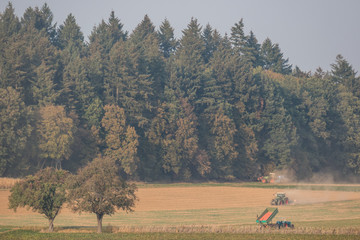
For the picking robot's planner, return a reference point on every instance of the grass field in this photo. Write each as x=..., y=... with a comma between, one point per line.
x=193, y=211
x=32, y=235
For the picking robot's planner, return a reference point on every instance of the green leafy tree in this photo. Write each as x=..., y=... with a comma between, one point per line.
x=223, y=147
x=14, y=132
x=174, y=132
x=97, y=188
x=121, y=140
x=55, y=132
x=43, y=193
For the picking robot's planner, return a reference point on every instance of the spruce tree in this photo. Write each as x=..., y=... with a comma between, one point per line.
x=14, y=133
x=344, y=73
x=188, y=68
x=273, y=58
x=167, y=40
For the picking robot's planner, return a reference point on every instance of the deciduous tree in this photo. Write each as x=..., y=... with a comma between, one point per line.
x=97, y=188
x=121, y=139
x=55, y=133
x=43, y=193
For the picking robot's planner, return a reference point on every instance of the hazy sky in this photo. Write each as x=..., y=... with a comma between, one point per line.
x=310, y=32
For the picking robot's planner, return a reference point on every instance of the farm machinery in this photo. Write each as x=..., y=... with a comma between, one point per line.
x=280, y=198
x=265, y=219
x=267, y=179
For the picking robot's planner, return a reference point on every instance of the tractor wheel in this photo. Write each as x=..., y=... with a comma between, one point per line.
x=280, y=202
x=287, y=201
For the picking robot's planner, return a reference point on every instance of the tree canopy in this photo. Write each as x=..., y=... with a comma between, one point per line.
x=97, y=188
x=198, y=107
x=43, y=193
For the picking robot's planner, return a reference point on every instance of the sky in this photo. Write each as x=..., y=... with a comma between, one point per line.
x=309, y=32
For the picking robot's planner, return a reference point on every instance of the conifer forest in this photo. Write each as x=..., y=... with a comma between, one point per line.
x=200, y=107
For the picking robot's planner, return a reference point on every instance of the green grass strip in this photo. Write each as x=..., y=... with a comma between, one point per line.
x=33, y=235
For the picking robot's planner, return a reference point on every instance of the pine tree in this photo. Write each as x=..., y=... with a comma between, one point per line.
x=238, y=38
x=344, y=73
x=188, y=68
x=34, y=70
x=273, y=58
x=39, y=19
x=9, y=24
x=252, y=50
x=70, y=36
x=77, y=91
x=167, y=41
x=14, y=132
x=105, y=35
x=212, y=40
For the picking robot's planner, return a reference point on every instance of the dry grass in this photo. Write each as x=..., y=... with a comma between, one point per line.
x=7, y=183
x=235, y=229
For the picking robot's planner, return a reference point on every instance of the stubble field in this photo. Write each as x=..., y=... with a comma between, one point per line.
x=212, y=208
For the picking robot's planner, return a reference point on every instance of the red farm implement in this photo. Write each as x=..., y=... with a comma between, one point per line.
x=265, y=219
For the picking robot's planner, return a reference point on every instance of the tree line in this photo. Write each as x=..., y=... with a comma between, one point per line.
x=202, y=107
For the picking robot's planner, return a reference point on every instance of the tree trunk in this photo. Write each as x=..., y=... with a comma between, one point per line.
x=51, y=225
x=99, y=220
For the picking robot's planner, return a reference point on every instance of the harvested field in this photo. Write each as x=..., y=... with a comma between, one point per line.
x=205, y=205
x=181, y=198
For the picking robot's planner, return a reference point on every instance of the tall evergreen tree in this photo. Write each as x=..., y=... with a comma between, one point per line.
x=211, y=40
x=344, y=73
x=70, y=35
x=273, y=58
x=34, y=70
x=252, y=50
x=9, y=23
x=14, y=132
x=167, y=40
x=187, y=72
x=238, y=38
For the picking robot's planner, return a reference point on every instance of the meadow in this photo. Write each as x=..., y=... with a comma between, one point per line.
x=200, y=210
